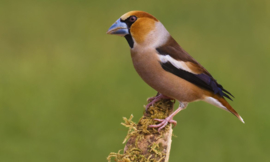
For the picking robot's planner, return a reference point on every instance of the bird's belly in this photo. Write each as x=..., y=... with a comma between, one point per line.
x=167, y=83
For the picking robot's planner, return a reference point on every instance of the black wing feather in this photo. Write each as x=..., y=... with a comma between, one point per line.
x=201, y=80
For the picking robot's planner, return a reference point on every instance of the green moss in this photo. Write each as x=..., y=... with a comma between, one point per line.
x=160, y=110
x=157, y=149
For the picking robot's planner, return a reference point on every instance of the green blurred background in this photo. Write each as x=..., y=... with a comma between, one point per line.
x=65, y=85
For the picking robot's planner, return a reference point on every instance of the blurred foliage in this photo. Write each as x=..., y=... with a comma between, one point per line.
x=65, y=85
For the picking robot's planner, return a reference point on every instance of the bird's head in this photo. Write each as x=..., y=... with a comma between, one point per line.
x=139, y=28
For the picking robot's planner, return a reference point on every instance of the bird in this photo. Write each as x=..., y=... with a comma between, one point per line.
x=166, y=67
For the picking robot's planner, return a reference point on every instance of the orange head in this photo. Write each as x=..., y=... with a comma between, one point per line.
x=136, y=27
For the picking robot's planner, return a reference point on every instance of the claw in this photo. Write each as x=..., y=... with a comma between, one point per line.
x=160, y=125
x=163, y=123
x=148, y=105
x=169, y=119
x=153, y=100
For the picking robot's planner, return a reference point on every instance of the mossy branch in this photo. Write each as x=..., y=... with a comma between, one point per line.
x=146, y=144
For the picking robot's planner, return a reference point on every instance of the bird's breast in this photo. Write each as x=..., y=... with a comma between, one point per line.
x=147, y=65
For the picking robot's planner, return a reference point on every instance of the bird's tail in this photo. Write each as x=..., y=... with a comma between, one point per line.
x=222, y=103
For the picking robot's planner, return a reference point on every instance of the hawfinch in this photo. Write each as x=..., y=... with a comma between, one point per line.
x=167, y=67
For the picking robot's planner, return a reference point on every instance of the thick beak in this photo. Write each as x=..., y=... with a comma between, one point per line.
x=118, y=28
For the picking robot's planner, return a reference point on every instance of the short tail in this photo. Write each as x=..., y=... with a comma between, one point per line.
x=222, y=103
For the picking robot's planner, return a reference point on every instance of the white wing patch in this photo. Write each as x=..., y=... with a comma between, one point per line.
x=178, y=64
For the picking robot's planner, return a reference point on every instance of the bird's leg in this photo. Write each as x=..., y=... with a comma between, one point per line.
x=155, y=99
x=169, y=119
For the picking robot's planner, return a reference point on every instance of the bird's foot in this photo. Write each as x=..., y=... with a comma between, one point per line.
x=163, y=123
x=153, y=100
x=169, y=119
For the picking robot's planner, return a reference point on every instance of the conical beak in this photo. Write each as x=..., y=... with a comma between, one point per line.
x=118, y=28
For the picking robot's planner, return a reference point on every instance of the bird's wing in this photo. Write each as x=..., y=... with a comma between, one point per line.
x=178, y=62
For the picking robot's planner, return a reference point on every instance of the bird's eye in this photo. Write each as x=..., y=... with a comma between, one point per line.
x=132, y=19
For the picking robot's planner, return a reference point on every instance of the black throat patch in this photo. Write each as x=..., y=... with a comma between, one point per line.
x=129, y=40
